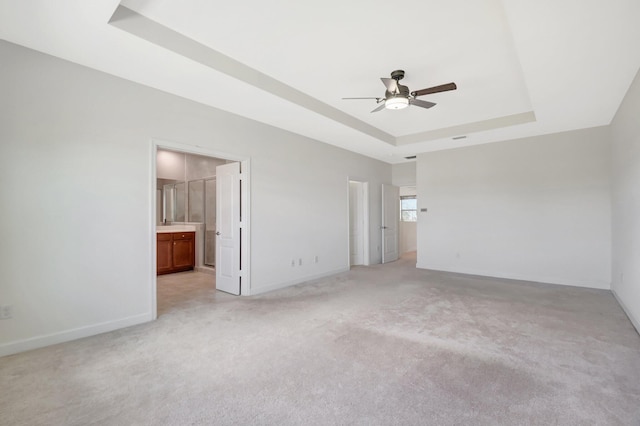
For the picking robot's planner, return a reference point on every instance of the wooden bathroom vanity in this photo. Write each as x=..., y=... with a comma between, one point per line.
x=175, y=251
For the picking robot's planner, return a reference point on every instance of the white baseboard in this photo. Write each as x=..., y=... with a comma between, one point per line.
x=277, y=286
x=633, y=319
x=68, y=335
x=534, y=278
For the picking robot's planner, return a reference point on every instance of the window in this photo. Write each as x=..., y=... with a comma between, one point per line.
x=408, y=208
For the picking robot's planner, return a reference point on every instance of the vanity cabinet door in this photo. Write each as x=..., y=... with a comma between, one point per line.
x=176, y=252
x=164, y=260
x=183, y=250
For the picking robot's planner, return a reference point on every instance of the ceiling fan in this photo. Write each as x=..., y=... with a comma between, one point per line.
x=398, y=96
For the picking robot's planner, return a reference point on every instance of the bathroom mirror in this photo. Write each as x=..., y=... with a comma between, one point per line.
x=168, y=202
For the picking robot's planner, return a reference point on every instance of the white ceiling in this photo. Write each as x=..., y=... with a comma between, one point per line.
x=522, y=67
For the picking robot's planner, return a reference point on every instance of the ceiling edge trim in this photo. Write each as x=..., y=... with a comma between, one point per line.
x=140, y=26
x=463, y=129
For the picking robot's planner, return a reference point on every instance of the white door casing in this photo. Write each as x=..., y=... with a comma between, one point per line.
x=228, y=228
x=390, y=219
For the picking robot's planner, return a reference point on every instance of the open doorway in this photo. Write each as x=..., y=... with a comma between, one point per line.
x=186, y=201
x=188, y=204
x=358, y=223
x=408, y=219
x=389, y=228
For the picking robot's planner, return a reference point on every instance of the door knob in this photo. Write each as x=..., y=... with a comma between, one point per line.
x=217, y=233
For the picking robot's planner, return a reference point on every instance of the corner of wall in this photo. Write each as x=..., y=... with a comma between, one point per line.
x=635, y=321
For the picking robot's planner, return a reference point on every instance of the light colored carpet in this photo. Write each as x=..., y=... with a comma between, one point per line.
x=380, y=345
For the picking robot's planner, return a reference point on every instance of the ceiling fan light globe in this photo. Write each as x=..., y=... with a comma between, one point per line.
x=396, y=103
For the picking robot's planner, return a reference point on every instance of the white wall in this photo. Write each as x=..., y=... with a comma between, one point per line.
x=201, y=167
x=75, y=157
x=185, y=167
x=170, y=165
x=404, y=174
x=534, y=209
x=625, y=132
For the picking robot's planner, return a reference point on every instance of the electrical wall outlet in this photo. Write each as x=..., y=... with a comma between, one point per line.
x=315, y=259
x=300, y=262
x=6, y=311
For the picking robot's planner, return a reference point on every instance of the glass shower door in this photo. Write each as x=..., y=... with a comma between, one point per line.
x=210, y=222
x=196, y=201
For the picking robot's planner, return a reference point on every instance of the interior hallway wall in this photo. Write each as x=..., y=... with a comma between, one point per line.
x=625, y=132
x=403, y=174
x=77, y=150
x=534, y=209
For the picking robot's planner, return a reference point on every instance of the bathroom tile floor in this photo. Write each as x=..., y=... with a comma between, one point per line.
x=176, y=291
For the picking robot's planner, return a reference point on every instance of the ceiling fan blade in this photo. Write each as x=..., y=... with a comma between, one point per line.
x=390, y=84
x=423, y=104
x=435, y=89
x=362, y=98
x=380, y=107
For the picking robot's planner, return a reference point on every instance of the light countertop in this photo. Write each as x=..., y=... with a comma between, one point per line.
x=175, y=228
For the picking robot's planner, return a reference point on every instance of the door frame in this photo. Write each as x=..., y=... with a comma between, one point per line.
x=366, y=258
x=245, y=199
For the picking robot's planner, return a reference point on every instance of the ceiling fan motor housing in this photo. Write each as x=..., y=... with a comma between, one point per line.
x=397, y=75
x=403, y=92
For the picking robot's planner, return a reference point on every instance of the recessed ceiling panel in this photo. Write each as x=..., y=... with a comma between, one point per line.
x=334, y=49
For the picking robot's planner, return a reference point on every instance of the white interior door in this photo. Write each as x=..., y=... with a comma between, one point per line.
x=356, y=223
x=390, y=213
x=228, y=228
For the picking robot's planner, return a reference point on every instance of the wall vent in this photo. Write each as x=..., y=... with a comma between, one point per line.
x=458, y=137
x=411, y=157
